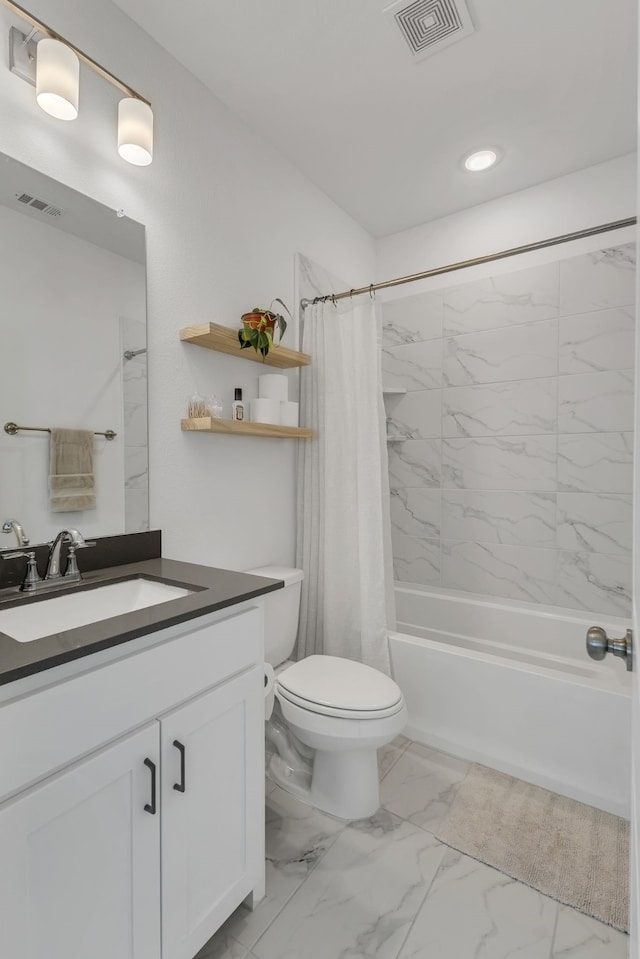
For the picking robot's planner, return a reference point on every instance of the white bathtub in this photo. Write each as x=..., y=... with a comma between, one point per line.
x=510, y=685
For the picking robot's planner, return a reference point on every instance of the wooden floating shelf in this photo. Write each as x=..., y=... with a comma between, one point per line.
x=224, y=340
x=207, y=424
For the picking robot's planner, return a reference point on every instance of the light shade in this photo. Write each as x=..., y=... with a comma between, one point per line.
x=480, y=160
x=135, y=131
x=57, y=79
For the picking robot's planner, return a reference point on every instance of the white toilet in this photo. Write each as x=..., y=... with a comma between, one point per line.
x=331, y=716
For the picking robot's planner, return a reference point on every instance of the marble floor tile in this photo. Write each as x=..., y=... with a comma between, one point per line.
x=581, y=937
x=389, y=755
x=362, y=897
x=421, y=786
x=475, y=912
x=297, y=837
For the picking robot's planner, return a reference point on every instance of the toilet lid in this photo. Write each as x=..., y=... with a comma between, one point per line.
x=342, y=684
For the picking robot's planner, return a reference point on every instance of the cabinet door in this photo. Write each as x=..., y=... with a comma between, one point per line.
x=212, y=810
x=80, y=860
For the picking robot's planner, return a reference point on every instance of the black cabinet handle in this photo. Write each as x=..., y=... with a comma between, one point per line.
x=180, y=787
x=151, y=807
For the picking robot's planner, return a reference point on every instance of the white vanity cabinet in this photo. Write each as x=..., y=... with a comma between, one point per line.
x=144, y=828
x=80, y=860
x=206, y=836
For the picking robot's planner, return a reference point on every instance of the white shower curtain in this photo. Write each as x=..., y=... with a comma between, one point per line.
x=344, y=538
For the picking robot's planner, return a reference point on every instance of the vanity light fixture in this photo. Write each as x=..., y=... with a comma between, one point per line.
x=52, y=65
x=135, y=131
x=57, y=79
x=480, y=160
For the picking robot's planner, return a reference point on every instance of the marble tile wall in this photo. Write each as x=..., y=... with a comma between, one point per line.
x=510, y=453
x=136, y=451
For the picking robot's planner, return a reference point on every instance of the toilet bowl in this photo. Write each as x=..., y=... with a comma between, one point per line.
x=332, y=714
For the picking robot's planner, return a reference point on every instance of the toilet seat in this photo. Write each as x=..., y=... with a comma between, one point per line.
x=332, y=686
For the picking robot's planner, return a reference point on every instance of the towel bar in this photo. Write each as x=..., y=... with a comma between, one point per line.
x=13, y=428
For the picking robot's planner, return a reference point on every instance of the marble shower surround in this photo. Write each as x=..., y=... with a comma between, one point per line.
x=511, y=469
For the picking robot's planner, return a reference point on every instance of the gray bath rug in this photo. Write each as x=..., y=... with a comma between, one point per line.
x=564, y=849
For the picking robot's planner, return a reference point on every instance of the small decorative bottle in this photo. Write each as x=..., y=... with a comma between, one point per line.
x=237, y=407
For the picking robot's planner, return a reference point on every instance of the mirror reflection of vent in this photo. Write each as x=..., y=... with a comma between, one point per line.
x=41, y=205
x=429, y=26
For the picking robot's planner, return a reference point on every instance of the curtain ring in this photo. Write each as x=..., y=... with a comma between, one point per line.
x=351, y=293
x=371, y=294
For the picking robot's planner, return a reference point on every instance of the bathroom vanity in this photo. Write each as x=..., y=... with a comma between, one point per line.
x=132, y=772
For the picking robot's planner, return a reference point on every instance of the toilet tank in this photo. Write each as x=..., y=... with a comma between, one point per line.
x=281, y=610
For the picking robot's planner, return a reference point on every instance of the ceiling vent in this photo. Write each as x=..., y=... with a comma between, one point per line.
x=41, y=205
x=429, y=26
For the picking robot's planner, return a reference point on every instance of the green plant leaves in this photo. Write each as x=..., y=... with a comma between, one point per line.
x=260, y=340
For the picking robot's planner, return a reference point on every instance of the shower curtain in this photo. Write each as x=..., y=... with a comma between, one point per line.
x=344, y=533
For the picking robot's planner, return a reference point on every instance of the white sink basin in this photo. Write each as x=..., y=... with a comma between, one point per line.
x=59, y=613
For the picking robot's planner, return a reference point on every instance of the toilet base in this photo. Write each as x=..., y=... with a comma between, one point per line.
x=330, y=763
x=345, y=784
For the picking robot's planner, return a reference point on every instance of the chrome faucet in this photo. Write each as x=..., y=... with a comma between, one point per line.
x=76, y=541
x=13, y=526
x=53, y=577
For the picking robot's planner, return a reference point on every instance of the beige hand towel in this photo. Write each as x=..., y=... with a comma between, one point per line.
x=71, y=477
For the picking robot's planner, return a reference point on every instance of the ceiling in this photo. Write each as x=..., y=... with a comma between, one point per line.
x=333, y=84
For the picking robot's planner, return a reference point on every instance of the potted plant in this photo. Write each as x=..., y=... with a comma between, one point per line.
x=259, y=326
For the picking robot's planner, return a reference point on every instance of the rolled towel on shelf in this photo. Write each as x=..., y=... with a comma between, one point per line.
x=71, y=475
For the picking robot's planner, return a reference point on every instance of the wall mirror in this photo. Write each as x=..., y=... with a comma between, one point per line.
x=73, y=347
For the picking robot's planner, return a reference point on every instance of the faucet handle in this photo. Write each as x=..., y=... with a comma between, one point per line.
x=32, y=577
x=72, y=564
x=17, y=553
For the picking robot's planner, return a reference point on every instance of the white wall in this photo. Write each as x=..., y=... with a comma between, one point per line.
x=225, y=215
x=597, y=195
x=63, y=299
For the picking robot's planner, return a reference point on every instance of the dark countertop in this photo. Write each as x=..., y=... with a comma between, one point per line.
x=214, y=589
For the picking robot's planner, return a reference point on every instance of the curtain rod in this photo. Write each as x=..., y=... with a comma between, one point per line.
x=463, y=264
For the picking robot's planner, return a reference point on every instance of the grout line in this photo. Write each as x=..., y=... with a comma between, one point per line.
x=555, y=931
x=399, y=756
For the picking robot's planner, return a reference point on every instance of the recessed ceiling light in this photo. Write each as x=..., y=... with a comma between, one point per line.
x=480, y=160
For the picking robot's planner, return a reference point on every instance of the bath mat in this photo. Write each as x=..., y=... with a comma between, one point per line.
x=568, y=851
